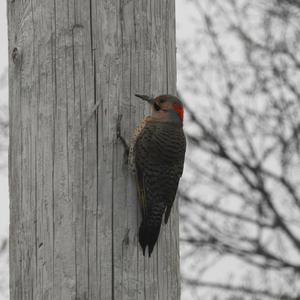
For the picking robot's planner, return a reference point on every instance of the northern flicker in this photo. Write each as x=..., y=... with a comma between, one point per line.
x=157, y=156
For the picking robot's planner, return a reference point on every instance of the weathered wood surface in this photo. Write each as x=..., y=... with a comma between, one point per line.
x=74, y=214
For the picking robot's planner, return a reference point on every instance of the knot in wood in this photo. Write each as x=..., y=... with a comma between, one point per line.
x=15, y=55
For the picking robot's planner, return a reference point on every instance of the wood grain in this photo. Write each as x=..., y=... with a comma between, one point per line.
x=74, y=66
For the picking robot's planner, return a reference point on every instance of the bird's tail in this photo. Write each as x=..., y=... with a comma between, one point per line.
x=148, y=235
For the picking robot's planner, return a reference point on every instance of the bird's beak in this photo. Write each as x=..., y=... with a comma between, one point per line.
x=145, y=98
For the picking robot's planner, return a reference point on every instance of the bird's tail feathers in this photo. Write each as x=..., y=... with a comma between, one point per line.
x=148, y=235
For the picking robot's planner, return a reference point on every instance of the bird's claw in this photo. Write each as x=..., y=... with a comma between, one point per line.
x=120, y=137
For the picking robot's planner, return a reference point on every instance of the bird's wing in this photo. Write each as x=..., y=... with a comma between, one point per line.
x=172, y=185
x=159, y=165
x=173, y=175
x=159, y=158
x=146, y=168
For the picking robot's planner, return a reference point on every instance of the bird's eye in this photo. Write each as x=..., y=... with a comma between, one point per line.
x=156, y=106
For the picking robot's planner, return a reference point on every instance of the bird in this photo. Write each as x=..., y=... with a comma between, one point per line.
x=156, y=157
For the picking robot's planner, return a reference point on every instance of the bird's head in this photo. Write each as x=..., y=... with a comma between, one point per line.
x=165, y=107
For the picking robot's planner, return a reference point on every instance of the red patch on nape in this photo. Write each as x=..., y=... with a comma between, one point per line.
x=179, y=109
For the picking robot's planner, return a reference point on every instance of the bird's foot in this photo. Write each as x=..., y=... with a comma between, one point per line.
x=121, y=138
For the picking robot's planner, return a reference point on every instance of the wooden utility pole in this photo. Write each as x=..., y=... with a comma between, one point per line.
x=74, y=66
